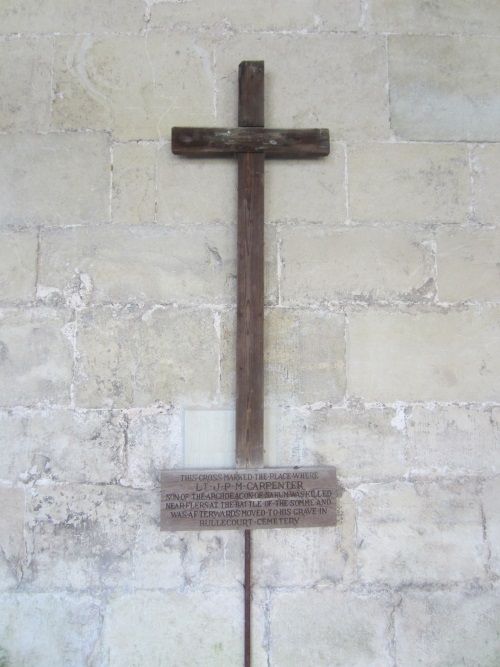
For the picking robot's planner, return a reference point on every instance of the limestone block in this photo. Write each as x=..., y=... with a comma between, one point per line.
x=364, y=444
x=307, y=190
x=440, y=16
x=134, y=187
x=192, y=191
x=47, y=629
x=135, y=86
x=486, y=166
x=25, y=81
x=491, y=503
x=129, y=357
x=12, y=547
x=454, y=440
x=309, y=556
x=321, y=265
x=334, y=16
x=61, y=445
x=303, y=356
x=409, y=183
x=424, y=356
x=448, y=627
x=18, y=261
x=238, y=15
x=418, y=533
x=54, y=178
x=334, y=81
x=146, y=264
x=154, y=442
x=59, y=16
x=468, y=264
x=445, y=88
x=35, y=357
x=145, y=627
x=84, y=536
x=327, y=627
x=165, y=560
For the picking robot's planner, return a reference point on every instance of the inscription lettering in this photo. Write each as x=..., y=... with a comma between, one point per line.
x=244, y=499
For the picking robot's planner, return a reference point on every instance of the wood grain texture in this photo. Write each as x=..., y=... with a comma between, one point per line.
x=250, y=283
x=250, y=312
x=251, y=93
x=227, y=142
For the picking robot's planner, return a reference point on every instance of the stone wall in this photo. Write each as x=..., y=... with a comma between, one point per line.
x=117, y=271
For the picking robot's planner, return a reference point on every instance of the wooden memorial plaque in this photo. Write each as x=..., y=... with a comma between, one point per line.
x=248, y=498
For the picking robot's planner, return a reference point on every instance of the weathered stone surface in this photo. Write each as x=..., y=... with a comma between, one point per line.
x=295, y=190
x=486, y=165
x=353, y=107
x=134, y=183
x=448, y=628
x=364, y=444
x=439, y=16
x=186, y=189
x=294, y=372
x=468, y=264
x=327, y=627
x=307, y=190
x=18, y=261
x=54, y=178
x=12, y=547
x=129, y=357
x=145, y=264
x=343, y=15
x=154, y=442
x=239, y=15
x=418, y=533
x=134, y=86
x=136, y=629
x=321, y=265
x=25, y=78
x=491, y=503
x=48, y=629
x=424, y=356
x=409, y=183
x=87, y=536
x=313, y=556
x=59, y=16
x=445, y=88
x=61, y=445
x=84, y=536
x=35, y=357
x=453, y=440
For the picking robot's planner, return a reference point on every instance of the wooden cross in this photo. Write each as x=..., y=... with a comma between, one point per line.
x=262, y=494
x=251, y=143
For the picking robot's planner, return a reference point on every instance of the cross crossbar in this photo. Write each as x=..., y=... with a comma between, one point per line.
x=225, y=142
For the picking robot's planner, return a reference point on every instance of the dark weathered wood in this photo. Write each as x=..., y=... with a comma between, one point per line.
x=248, y=498
x=251, y=93
x=250, y=312
x=248, y=598
x=250, y=289
x=250, y=302
x=226, y=142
